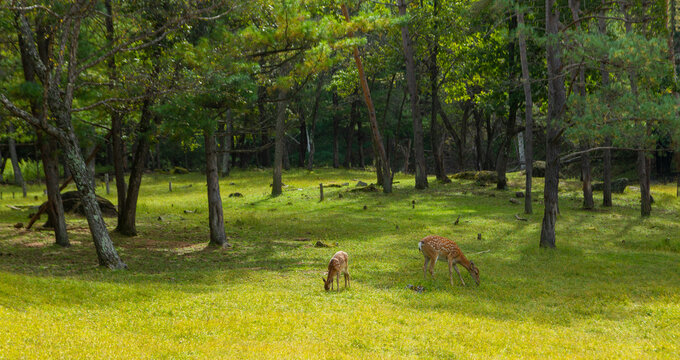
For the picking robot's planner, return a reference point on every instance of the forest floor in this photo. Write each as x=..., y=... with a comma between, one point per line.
x=611, y=289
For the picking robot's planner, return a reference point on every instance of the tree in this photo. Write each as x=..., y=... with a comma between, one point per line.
x=556, y=108
x=528, y=107
x=419, y=159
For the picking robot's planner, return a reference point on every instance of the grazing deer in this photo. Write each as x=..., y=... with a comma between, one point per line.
x=433, y=247
x=337, y=265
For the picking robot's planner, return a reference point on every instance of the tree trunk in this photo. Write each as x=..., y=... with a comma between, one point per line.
x=312, y=128
x=336, y=130
x=277, y=185
x=349, y=136
x=225, y=148
x=556, y=104
x=607, y=159
x=106, y=253
x=60, y=103
x=418, y=146
x=529, y=122
x=588, y=202
x=643, y=168
x=478, y=139
x=215, y=211
x=360, y=144
x=55, y=211
x=128, y=225
x=2, y=166
x=18, y=177
x=118, y=147
x=643, y=164
x=513, y=105
x=435, y=133
x=407, y=156
x=580, y=87
x=375, y=132
x=302, y=149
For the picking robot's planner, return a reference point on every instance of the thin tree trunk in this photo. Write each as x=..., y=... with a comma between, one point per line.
x=55, y=209
x=118, y=147
x=397, y=133
x=643, y=168
x=607, y=159
x=18, y=176
x=452, y=131
x=360, y=144
x=128, y=225
x=376, y=152
x=349, y=136
x=277, y=185
x=643, y=164
x=556, y=104
x=513, y=105
x=302, y=148
x=529, y=122
x=435, y=133
x=2, y=166
x=215, y=211
x=588, y=203
x=375, y=132
x=336, y=130
x=48, y=147
x=419, y=149
x=407, y=156
x=478, y=139
x=312, y=128
x=225, y=147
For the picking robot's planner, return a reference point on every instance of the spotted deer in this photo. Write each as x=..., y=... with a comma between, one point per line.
x=337, y=265
x=433, y=247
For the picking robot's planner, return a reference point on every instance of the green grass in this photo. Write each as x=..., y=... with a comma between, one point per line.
x=611, y=289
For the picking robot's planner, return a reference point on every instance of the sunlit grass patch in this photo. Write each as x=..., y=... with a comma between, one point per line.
x=609, y=290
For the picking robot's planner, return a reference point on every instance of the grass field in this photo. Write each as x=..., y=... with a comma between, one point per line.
x=611, y=289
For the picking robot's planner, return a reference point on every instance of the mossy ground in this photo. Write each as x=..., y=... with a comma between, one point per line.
x=611, y=289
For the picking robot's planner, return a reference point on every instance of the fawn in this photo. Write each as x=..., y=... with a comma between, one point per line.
x=337, y=265
x=433, y=247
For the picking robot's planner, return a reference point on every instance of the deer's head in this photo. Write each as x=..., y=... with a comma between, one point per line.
x=326, y=284
x=474, y=272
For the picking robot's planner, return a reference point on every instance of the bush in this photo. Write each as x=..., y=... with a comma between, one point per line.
x=31, y=170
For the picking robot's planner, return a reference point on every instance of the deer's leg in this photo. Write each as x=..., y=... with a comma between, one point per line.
x=461, y=277
x=346, y=279
x=337, y=281
x=451, y=264
x=427, y=260
x=432, y=263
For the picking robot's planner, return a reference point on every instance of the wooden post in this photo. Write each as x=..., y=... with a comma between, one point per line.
x=321, y=192
x=106, y=180
x=170, y=186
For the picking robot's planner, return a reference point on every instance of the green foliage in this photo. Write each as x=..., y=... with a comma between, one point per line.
x=31, y=170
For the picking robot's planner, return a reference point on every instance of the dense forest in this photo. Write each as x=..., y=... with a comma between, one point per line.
x=92, y=90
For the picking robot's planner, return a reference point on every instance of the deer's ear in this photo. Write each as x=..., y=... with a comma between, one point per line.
x=324, y=279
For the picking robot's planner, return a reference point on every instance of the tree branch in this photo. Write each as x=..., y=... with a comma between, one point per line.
x=26, y=116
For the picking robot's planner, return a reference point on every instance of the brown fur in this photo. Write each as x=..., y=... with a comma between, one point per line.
x=434, y=246
x=337, y=265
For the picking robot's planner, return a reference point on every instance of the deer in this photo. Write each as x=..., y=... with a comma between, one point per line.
x=337, y=265
x=434, y=246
